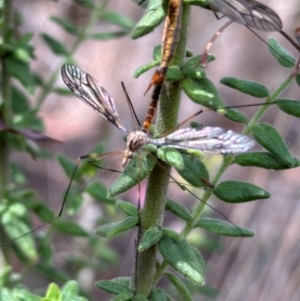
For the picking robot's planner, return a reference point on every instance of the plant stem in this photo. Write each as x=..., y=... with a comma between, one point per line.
x=225, y=164
x=153, y=211
x=6, y=114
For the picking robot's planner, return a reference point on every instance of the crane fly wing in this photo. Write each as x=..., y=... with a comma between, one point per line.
x=249, y=13
x=85, y=87
x=208, y=139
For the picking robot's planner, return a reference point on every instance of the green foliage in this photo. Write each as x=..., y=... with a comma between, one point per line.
x=23, y=129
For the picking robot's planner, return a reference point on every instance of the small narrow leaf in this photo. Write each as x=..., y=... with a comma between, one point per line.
x=53, y=273
x=172, y=234
x=246, y=86
x=69, y=167
x=289, y=106
x=261, y=159
x=171, y=156
x=182, y=257
x=15, y=228
x=66, y=25
x=98, y=191
x=137, y=169
x=112, y=287
x=21, y=72
x=89, y=4
x=55, y=46
x=70, y=228
x=113, y=229
x=117, y=19
x=179, y=210
x=223, y=228
x=151, y=237
x=158, y=295
x=267, y=136
x=239, y=192
x=193, y=171
x=53, y=292
x=202, y=91
x=145, y=68
x=280, y=54
x=127, y=208
x=180, y=286
x=153, y=16
x=103, y=36
x=124, y=296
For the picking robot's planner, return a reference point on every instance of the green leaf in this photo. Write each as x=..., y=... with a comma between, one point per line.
x=53, y=292
x=127, y=208
x=66, y=25
x=172, y=234
x=171, y=156
x=179, y=210
x=201, y=3
x=157, y=53
x=70, y=228
x=24, y=295
x=145, y=68
x=203, y=92
x=246, y=86
x=41, y=210
x=280, y=54
x=180, y=286
x=239, y=192
x=70, y=290
x=117, y=19
x=63, y=91
x=99, y=192
x=267, y=136
x=103, y=36
x=89, y=4
x=298, y=79
x=51, y=272
x=137, y=169
x=113, y=229
x=153, y=16
x=69, y=168
x=291, y=107
x=194, y=62
x=19, y=101
x=158, y=295
x=19, y=232
x=223, y=228
x=261, y=159
x=174, y=74
x=112, y=287
x=151, y=237
x=183, y=258
x=193, y=171
x=124, y=296
x=20, y=71
x=55, y=46
x=139, y=297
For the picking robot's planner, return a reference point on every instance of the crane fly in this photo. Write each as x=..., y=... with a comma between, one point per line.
x=208, y=139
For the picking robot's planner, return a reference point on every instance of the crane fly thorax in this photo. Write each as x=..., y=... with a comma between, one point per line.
x=135, y=141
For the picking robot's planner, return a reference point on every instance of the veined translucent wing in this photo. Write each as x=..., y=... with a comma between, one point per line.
x=208, y=139
x=249, y=13
x=85, y=87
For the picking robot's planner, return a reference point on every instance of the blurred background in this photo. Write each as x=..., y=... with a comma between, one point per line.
x=265, y=267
